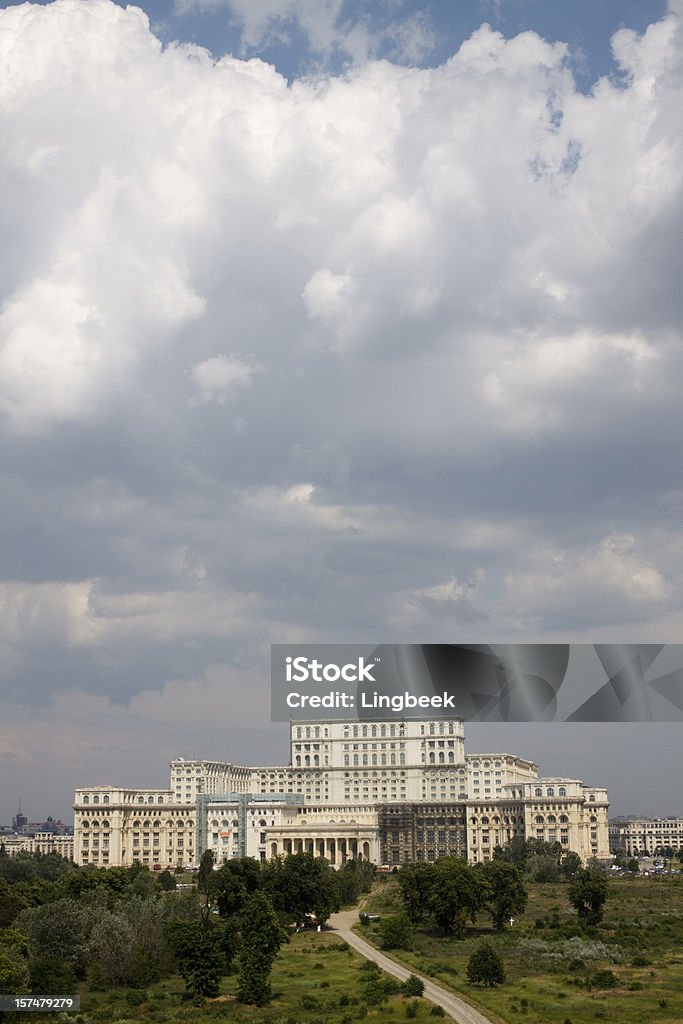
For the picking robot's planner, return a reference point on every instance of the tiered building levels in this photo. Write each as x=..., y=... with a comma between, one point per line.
x=392, y=792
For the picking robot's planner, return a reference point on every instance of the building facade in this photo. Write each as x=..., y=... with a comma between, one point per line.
x=392, y=792
x=645, y=837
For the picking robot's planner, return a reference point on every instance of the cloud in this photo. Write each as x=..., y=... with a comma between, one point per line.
x=391, y=353
x=326, y=27
x=221, y=377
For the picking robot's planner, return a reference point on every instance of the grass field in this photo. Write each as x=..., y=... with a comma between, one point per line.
x=553, y=971
x=316, y=980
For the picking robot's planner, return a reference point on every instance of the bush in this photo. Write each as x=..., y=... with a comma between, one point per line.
x=604, y=979
x=396, y=932
x=411, y=1009
x=413, y=986
x=437, y=1011
x=485, y=966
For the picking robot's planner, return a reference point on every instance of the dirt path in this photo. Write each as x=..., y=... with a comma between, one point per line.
x=456, y=1008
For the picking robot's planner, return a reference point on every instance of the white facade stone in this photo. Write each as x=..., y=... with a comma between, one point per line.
x=327, y=800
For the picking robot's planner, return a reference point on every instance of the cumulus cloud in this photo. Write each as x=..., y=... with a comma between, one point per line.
x=221, y=377
x=393, y=351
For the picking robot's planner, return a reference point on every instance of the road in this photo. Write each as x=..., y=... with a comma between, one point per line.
x=456, y=1008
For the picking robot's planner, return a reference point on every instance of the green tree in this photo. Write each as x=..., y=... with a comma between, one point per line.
x=588, y=893
x=485, y=966
x=396, y=932
x=57, y=932
x=302, y=884
x=201, y=960
x=14, y=973
x=507, y=895
x=416, y=882
x=262, y=937
x=570, y=864
x=458, y=894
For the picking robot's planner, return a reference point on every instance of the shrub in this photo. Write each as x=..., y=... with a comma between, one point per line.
x=437, y=1011
x=604, y=979
x=485, y=966
x=413, y=986
x=411, y=1009
x=396, y=932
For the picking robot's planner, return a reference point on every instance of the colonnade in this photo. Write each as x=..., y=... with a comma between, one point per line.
x=337, y=849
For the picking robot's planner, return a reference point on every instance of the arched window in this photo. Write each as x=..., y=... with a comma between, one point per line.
x=150, y=799
x=591, y=798
x=316, y=761
x=538, y=792
x=355, y=760
x=564, y=819
x=401, y=758
x=451, y=757
x=374, y=730
x=95, y=799
x=383, y=730
x=105, y=799
x=539, y=819
x=346, y=760
x=355, y=732
x=442, y=728
x=384, y=759
x=365, y=731
x=442, y=757
x=86, y=799
x=308, y=732
x=298, y=733
x=432, y=758
x=432, y=729
x=374, y=759
x=365, y=759
x=161, y=799
x=450, y=728
x=393, y=758
x=392, y=730
x=298, y=761
x=141, y=799
x=562, y=791
x=307, y=761
x=317, y=732
x=550, y=791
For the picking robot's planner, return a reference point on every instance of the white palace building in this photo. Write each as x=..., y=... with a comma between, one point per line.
x=392, y=792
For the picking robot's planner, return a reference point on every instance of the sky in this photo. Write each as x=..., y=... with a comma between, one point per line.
x=327, y=321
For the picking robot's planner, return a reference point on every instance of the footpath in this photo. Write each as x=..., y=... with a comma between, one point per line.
x=456, y=1008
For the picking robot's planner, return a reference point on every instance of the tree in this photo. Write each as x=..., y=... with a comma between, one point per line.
x=570, y=864
x=396, y=932
x=302, y=884
x=507, y=895
x=459, y=892
x=261, y=940
x=201, y=960
x=588, y=894
x=485, y=966
x=416, y=882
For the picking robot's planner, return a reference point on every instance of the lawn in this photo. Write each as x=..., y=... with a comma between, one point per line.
x=316, y=980
x=629, y=971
